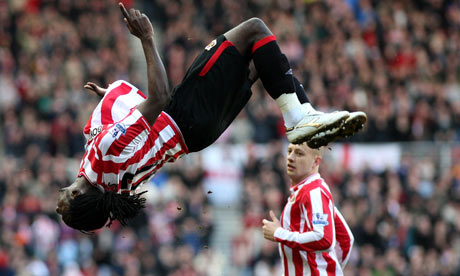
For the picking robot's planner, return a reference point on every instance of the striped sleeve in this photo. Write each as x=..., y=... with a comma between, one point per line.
x=318, y=208
x=344, y=238
x=120, y=98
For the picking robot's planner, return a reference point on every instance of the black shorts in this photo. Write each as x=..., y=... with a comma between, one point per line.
x=212, y=93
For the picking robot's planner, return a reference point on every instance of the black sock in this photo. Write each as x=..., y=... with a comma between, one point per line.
x=300, y=91
x=273, y=67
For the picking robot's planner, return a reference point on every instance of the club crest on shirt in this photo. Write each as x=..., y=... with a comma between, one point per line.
x=210, y=45
x=292, y=198
x=118, y=130
x=320, y=219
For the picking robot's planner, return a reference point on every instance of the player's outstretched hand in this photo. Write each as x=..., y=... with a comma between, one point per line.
x=91, y=86
x=137, y=22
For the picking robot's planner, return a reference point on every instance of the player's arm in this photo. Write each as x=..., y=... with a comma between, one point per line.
x=344, y=238
x=159, y=94
x=320, y=216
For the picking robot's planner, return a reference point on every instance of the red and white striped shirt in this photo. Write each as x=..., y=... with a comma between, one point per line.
x=307, y=235
x=122, y=149
x=344, y=238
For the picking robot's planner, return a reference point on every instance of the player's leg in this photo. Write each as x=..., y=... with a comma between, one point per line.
x=254, y=40
x=352, y=125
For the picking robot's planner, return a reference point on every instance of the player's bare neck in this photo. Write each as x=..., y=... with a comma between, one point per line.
x=82, y=181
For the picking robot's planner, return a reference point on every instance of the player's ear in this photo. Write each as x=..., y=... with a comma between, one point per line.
x=318, y=160
x=75, y=193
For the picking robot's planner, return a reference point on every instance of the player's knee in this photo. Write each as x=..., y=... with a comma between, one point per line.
x=257, y=28
x=255, y=23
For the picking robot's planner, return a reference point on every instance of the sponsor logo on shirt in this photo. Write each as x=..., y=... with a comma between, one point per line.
x=94, y=132
x=118, y=130
x=320, y=219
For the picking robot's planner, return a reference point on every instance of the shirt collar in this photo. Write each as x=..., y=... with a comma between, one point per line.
x=305, y=181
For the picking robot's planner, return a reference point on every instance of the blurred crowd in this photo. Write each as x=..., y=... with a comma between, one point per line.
x=399, y=61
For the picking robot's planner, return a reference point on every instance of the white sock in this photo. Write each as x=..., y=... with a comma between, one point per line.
x=291, y=109
x=309, y=108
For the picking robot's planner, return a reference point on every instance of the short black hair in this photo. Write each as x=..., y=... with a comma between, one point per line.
x=90, y=211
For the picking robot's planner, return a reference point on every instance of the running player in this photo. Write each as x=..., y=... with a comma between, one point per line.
x=130, y=136
x=313, y=237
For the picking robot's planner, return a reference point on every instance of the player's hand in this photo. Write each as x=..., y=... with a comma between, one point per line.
x=95, y=89
x=270, y=227
x=137, y=22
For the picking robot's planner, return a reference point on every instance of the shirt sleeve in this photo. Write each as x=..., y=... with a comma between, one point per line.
x=120, y=98
x=318, y=209
x=344, y=238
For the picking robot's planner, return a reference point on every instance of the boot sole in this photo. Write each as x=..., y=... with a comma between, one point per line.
x=322, y=129
x=349, y=128
x=353, y=125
